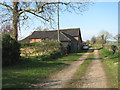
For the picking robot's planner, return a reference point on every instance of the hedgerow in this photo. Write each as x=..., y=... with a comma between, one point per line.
x=40, y=48
x=10, y=50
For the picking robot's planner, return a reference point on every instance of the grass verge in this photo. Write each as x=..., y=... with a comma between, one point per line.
x=110, y=62
x=76, y=80
x=31, y=70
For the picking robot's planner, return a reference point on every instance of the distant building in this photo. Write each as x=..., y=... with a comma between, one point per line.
x=70, y=38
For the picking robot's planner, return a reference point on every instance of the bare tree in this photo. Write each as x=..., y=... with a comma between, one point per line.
x=88, y=42
x=45, y=29
x=93, y=40
x=39, y=28
x=16, y=11
x=104, y=35
x=6, y=28
x=117, y=37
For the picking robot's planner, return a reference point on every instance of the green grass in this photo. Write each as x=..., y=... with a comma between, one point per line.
x=110, y=62
x=81, y=72
x=31, y=70
x=97, y=46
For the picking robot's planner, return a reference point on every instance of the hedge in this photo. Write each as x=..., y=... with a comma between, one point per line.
x=52, y=55
x=10, y=50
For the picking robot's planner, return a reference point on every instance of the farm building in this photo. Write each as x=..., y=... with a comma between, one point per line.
x=70, y=38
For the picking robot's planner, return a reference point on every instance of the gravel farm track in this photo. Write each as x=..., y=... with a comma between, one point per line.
x=94, y=77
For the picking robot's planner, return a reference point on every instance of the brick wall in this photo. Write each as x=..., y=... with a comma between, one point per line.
x=35, y=40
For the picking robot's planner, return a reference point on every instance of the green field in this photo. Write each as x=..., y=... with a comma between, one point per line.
x=31, y=70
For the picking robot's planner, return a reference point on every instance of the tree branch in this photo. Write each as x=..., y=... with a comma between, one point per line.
x=6, y=20
x=26, y=10
x=55, y=3
x=6, y=6
x=38, y=16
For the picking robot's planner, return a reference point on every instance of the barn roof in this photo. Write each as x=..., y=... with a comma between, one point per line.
x=65, y=34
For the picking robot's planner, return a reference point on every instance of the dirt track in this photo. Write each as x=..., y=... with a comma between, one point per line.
x=94, y=77
x=62, y=77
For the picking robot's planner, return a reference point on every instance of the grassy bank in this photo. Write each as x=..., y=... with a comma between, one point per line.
x=31, y=70
x=110, y=62
x=76, y=80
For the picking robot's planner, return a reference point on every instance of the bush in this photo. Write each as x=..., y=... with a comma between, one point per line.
x=55, y=54
x=45, y=46
x=24, y=45
x=51, y=55
x=114, y=48
x=45, y=57
x=10, y=50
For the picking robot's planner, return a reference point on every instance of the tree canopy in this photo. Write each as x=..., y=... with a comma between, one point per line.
x=105, y=35
x=18, y=11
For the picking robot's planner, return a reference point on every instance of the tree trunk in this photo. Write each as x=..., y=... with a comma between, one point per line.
x=15, y=20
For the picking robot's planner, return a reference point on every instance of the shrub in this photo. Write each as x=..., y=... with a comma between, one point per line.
x=114, y=48
x=106, y=52
x=44, y=46
x=45, y=57
x=24, y=45
x=51, y=55
x=10, y=50
x=55, y=54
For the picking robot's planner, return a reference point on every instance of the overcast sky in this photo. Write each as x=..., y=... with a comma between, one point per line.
x=99, y=16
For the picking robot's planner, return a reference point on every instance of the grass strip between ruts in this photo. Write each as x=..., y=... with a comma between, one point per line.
x=76, y=79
